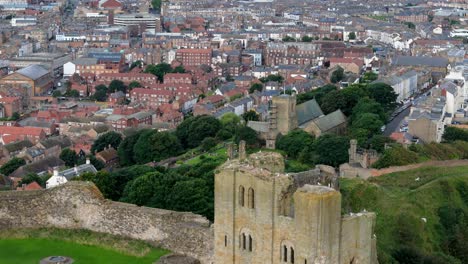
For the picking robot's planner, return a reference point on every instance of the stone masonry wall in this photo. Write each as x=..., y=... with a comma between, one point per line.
x=81, y=205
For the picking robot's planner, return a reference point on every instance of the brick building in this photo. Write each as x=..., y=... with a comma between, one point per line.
x=194, y=57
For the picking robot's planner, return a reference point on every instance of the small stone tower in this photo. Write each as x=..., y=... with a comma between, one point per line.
x=286, y=119
x=352, y=151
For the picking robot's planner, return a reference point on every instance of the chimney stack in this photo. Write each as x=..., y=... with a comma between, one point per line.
x=56, y=172
x=88, y=161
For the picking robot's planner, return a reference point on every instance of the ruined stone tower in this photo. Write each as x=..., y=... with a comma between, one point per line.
x=263, y=215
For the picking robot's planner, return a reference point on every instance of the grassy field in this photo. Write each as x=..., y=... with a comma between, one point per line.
x=219, y=153
x=85, y=247
x=411, y=207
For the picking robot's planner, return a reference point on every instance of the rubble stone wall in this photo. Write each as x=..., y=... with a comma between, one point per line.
x=81, y=205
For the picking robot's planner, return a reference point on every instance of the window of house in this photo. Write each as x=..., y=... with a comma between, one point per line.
x=250, y=243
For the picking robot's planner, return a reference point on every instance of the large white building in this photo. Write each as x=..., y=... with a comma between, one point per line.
x=151, y=21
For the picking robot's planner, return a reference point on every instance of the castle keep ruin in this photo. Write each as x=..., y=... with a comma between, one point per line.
x=263, y=215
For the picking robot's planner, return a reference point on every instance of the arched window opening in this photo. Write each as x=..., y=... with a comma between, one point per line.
x=251, y=198
x=285, y=254
x=225, y=241
x=243, y=241
x=305, y=261
x=292, y=255
x=241, y=195
x=250, y=243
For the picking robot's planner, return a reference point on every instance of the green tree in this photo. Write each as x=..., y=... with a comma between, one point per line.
x=208, y=143
x=369, y=122
x=193, y=130
x=367, y=105
x=11, y=165
x=101, y=87
x=396, y=156
x=126, y=149
x=331, y=150
x=155, y=146
x=345, y=99
x=72, y=93
x=135, y=64
x=378, y=142
x=410, y=25
x=112, y=185
x=369, y=77
x=255, y=87
x=69, y=157
x=247, y=134
x=142, y=189
x=337, y=75
x=100, y=93
x=15, y=116
x=179, y=69
x=191, y=195
x=229, y=122
x=383, y=94
x=205, y=126
x=134, y=84
x=159, y=70
x=294, y=142
x=251, y=115
x=453, y=134
x=307, y=39
x=117, y=85
x=352, y=35
x=32, y=177
x=110, y=138
x=316, y=94
x=333, y=101
x=288, y=39
x=156, y=4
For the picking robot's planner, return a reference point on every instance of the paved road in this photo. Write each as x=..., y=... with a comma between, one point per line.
x=394, y=125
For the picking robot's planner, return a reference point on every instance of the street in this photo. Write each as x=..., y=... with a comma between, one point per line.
x=394, y=125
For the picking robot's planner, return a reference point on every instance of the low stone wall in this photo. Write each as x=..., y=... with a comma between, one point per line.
x=348, y=171
x=81, y=205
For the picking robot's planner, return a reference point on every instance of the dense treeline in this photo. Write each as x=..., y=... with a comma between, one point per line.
x=185, y=188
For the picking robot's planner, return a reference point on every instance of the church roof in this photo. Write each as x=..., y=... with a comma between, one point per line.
x=327, y=122
x=308, y=111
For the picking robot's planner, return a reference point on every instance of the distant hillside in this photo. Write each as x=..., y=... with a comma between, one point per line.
x=422, y=214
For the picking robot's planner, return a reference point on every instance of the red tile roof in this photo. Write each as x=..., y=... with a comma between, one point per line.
x=111, y=4
x=30, y=187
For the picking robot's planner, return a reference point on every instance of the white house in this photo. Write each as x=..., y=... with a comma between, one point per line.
x=69, y=69
x=64, y=176
x=55, y=180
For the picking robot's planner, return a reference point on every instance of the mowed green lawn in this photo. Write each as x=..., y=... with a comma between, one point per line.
x=31, y=251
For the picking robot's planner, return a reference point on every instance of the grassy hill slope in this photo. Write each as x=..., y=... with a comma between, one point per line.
x=422, y=214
